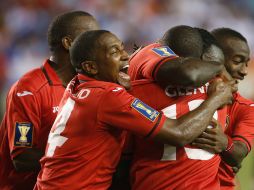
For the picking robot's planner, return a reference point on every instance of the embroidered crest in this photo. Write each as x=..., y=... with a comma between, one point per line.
x=23, y=134
x=164, y=51
x=145, y=110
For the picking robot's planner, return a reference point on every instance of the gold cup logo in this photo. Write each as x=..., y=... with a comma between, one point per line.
x=165, y=51
x=141, y=106
x=23, y=131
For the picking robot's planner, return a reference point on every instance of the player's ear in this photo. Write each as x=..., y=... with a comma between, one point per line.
x=90, y=67
x=66, y=42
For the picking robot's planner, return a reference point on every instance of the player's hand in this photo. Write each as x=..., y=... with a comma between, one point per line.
x=222, y=91
x=212, y=139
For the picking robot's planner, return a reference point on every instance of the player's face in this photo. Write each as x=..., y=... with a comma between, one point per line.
x=112, y=60
x=237, y=56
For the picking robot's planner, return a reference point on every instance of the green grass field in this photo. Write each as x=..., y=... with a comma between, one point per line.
x=246, y=173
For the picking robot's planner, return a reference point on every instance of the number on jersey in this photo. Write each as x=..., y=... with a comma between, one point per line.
x=55, y=139
x=169, y=152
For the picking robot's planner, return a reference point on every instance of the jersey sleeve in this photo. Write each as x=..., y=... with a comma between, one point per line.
x=122, y=110
x=243, y=127
x=23, y=119
x=145, y=63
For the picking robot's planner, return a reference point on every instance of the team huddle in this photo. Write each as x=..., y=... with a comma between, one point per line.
x=167, y=117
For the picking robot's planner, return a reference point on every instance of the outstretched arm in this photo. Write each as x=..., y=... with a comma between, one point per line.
x=185, y=129
x=187, y=72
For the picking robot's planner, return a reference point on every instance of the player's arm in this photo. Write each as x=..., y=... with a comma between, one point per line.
x=242, y=136
x=214, y=140
x=125, y=111
x=23, y=111
x=234, y=154
x=187, y=71
x=184, y=130
x=232, y=148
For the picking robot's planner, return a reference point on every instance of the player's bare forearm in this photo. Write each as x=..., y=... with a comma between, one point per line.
x=188, y=127
x=28, y=160
x=188, y=72
x=235, y=155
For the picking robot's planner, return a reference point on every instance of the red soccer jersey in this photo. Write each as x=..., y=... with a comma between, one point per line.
x=87, y=137
x=31, y=109
x=161, y=166
x=145, y=62
x=240, y=128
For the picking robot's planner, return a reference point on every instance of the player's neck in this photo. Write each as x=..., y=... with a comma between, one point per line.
x=63, y=68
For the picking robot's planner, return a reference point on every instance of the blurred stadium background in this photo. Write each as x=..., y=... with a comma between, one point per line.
x=23, y=29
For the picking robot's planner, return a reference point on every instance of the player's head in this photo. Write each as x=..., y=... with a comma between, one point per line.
x=101, y=55
x=236, y=51
x=66, y=27
x=185, y=41
x=211, y=49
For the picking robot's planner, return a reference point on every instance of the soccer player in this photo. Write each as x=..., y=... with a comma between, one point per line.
x=167, y=67
x=240, y=129
x=32, y=104
x=85, y=142
x=174, y=167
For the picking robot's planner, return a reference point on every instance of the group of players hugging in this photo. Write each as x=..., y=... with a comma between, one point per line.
x=167, y=117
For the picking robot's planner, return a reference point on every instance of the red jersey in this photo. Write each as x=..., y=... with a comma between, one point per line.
x=87, y=137
x=162, y=166
x=240, y=128
x=31, y=109
x=144, y=63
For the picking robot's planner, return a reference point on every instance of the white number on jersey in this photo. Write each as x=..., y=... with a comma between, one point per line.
x=55, y=139
x=169, y=152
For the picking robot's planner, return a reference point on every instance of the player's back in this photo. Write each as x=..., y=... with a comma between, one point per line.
x=145, y=62
x=81, y=147
x=162, y=166
x=30, y=103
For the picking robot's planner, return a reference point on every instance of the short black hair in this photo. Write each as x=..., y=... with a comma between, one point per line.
x=84, y=46
x=61, y=26
x=184, y=40
x=222, y=33
x=208, y=39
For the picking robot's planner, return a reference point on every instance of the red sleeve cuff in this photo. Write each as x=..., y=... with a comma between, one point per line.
x=157, y=127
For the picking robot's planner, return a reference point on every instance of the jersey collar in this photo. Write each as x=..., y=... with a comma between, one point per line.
x=50, y=74
x=83, y=78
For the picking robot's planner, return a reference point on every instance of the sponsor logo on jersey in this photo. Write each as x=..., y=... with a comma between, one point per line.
x=23, y=134
x=24, y=93
x=145, y=110
x=164, y=51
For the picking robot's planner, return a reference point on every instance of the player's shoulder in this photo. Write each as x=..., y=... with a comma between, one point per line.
x=240, y=100
x=31, y=82
x=114, y=88
x=106, y=87
x=142, y=82
x=143, y=50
